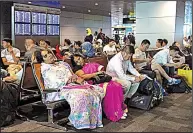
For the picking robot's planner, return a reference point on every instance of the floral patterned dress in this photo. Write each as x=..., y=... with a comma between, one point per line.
x=85, y=101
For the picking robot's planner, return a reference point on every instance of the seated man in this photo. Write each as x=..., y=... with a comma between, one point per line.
x=98, y=47
x=164, y=59
x=142, y=63
x=110, y=49
x=77, y=47
x=165, y=44
x=118, y=67
x=14, y=73
x=159, y=43
x=31, y=48
x=9, y=54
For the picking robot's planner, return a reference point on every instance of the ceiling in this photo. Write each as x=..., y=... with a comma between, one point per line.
x=97, y=7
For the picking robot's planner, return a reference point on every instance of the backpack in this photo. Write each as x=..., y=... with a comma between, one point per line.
x=182, y=87
x=9, y=102
x=148, y=95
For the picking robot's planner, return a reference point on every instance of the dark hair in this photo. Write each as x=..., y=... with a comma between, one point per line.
x=129, y=49
x=165, y=41
x=145, y=41
x=160, y=41
x=95, y=33
x=175, y=48
x=111, y=40
x=48, y=42
x=131, y=39
x=38, y=56
x=64, y=51
x=174, y=43
x=189, y=37
x=8, y=40
x=78, y=43
x=67, y=41
x=36, y=43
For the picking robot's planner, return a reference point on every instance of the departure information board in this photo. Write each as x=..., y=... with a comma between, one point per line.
x=22, y=29
x=38, y=18
x=53, y=19
x=38, y=29
x=53, y=30
x=36, y=23
x=22, y=16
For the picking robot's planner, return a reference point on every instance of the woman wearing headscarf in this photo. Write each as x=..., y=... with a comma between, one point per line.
x=88, y=49
x=89, y=35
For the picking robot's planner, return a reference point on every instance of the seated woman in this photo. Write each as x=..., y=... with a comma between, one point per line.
x=113, y=105
x=88, y=49
x=84, y=99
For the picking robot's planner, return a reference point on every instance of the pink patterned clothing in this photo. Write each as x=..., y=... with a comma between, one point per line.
x=113, y=105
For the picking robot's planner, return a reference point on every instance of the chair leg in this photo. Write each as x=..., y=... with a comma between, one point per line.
x=50, y=116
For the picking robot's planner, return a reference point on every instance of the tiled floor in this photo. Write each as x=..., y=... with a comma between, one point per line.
x=173, y=115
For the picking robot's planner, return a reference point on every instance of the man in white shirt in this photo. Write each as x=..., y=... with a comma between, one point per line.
x=118, y=67
x=9, y=55
x=164, y=58
x=110, y=49
x=145, y=65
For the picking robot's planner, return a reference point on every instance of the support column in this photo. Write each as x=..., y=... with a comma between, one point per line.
x=159, y=19
x=5, y=19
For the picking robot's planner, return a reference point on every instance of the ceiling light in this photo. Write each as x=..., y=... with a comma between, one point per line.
x=119, y=8
x=29, y=2
x=89, y=10
x=63, y=7
x=96, y=4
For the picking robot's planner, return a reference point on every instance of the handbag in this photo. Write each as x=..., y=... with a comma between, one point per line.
x=186, y=73
x=101, y=78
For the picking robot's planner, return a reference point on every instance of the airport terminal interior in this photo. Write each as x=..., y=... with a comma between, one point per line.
x=96, y=66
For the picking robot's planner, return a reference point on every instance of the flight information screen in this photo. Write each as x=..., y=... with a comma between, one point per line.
x=53, y=19
x=22, y=29
x=38, y=29
x=22, y=16
x=38, y=18
x=53, y=30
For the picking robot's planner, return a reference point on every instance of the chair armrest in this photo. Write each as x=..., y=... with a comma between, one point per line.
x=50, y=90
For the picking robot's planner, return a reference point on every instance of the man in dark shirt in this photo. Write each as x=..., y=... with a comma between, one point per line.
x=101, y=35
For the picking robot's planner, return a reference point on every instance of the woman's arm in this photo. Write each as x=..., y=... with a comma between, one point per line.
x=81, y=74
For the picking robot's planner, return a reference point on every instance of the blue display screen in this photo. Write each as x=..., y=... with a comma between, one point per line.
x=22, y=16
x=22, y=29
x=38, y=29
x=38, y=18
x=53, y=30
x=53, y=19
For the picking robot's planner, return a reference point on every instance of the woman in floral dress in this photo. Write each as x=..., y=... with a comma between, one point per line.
x=84, y=99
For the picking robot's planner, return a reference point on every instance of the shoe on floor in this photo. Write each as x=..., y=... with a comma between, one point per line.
x=174, y=81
